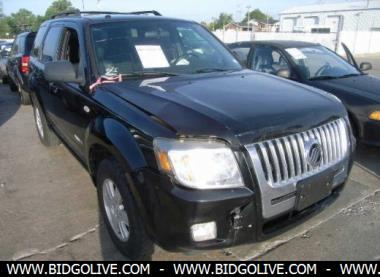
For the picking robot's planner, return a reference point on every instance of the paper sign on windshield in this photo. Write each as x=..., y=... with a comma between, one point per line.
x=296, y=53
x=152, y=56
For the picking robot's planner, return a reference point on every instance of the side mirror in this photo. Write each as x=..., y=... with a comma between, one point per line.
x=284, y=73
x=365, y=66
x=61, y=71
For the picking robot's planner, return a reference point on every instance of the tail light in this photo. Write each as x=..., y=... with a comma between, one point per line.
x=24, y=64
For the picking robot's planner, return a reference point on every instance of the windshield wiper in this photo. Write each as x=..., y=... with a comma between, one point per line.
x=349, y=75
x=142, y=74
x=323, y=78
x=211, y=69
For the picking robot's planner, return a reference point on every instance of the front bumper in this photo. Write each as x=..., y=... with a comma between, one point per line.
x=172, y=210
x=370, y=132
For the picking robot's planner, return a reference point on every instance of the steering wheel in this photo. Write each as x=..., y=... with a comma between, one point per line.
x=187, y=54
x=325, y=67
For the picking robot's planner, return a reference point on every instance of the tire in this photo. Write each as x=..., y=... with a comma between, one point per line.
x=45, y=133
x=24, y=96
x=4, y=79
x=12, y=85
x=127, y=230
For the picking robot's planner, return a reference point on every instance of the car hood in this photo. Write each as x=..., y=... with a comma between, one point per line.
x=366, y=85
x=247, y=105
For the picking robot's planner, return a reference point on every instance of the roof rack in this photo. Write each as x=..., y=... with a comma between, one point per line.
x=79, y=13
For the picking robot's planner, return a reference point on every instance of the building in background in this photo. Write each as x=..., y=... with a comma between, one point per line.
x=332, y=18
x=254, y=26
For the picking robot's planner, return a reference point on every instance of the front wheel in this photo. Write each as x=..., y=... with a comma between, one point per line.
x=120, y=213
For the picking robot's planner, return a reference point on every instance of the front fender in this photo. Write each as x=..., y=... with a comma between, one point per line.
x=117, y=139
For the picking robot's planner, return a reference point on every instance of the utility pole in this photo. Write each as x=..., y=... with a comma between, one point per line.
x=248, y=14
x=82, y=5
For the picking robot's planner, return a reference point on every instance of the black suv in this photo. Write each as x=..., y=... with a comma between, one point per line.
x=18, y=65
x=186, y=148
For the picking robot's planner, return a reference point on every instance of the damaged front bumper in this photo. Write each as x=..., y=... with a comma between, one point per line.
x=171, y=211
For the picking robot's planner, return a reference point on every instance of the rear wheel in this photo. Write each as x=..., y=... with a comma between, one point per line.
x=45, y=133
x=4, y=80
x=120, y=213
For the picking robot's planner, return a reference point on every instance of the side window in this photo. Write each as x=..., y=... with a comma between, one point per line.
x=21, y=45
x=15, y=46
x=242, y=53
x=50, y=47
x=268, y=59
x=37, y=47
x=69, y=50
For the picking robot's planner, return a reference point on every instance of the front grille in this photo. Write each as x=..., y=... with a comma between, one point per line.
x=284, y=160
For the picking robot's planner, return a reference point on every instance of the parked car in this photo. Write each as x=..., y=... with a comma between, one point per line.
x=186, y=148
x=315, y=65
x=18, y=65
x=4, y=54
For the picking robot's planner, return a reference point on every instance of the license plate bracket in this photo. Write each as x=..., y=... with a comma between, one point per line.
x=313, y=189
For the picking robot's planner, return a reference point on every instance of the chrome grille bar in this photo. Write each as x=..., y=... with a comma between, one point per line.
x=284, y=160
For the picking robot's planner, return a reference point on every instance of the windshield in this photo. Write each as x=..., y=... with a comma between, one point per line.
x=317, y=62
x=158, y=46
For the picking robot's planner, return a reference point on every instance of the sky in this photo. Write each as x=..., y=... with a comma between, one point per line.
x=198, y=10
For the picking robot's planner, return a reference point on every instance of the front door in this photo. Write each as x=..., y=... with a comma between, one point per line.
x=75, y=108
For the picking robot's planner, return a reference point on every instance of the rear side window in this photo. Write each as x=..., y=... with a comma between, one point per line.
x=15, y=46
x=37, y=47
x=29, y=43
x=50, y=47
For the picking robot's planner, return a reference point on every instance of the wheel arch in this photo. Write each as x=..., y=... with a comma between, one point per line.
x=107, y=137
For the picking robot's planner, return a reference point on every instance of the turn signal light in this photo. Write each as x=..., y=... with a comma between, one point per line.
x=164, y=161
x=375, y=115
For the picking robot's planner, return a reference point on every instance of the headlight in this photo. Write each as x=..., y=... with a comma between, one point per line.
x=375, y=115
x=198, y=164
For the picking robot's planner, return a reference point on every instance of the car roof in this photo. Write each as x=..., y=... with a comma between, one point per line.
x=104, y=18
x=279, y=43
x=26, y=34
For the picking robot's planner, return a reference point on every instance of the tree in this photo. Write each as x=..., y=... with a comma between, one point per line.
x=222, y=21
x=5, y=30
x=58, y=6
x=257, y=15
x=21, y=21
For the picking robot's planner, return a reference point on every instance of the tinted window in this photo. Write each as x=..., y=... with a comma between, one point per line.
x=29, y=43
x=268, y=59
x=242, y=53
x=50, y=48
x=158, y=46
x=15, y=46
x=21, y=45
x=70, y=47
x=37, y=48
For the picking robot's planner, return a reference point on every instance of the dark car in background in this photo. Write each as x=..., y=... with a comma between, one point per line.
x=187, y=149
x=18, y=65
x=315, y=65
x=5, y=49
